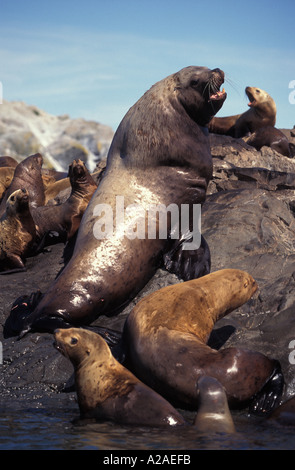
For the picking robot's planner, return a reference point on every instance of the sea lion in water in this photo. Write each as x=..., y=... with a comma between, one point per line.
x=285, y=413
x=262, y=113
x=27, y=175
x=160, y=155
x=213, y=412
x=166, y=336
x=271, y=137
x=17, y=232
x=64, y=219
x=106, y=390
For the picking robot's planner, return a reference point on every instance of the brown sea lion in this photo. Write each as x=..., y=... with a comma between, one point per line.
x=213, y=412
x=27, y=174
x=64, y=219
x=8, y=161
x=17, y=232
x=285, y=413
x=106, y=390
x=262, y=113
x=160, y=155
x=166, y=334
x=6, y=176
x=271, y=137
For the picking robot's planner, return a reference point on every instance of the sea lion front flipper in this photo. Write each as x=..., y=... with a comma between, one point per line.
x=188, y=264
x=270, y=395
x=21, y=308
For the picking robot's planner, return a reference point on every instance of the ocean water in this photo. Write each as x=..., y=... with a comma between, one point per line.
x=61, y=430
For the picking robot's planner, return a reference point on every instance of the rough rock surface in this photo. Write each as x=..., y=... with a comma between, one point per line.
x=25, y=130
x=248, y=222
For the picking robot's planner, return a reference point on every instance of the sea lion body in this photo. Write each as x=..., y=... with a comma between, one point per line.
x=6, y=176
x=166, y=337
x=27, y=175
x=262, y=113
x=106, y=390
x=160, y=154
x=213, y=412
x=271, y=137
x=6, y=161
x=17, y=232
x=64, y=219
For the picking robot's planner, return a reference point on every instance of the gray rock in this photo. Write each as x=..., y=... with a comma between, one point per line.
x=25, y=130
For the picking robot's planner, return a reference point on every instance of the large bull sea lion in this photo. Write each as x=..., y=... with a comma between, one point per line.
x=160, y=154
x=166, y=337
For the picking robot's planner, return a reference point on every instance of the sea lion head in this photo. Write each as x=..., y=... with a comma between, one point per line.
x=80, y=345
x=17, y=202
x=258, y=97
x=77, y=170
x=198, y=90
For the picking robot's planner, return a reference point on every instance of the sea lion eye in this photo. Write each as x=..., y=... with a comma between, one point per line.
x=74, y=340
x=194, y=82
x=257, y=91
x=12, y=198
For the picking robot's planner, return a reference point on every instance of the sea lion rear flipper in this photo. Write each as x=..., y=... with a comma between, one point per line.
x=270, y=395
x=188, y=264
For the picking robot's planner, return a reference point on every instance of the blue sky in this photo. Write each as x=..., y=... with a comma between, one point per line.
x=94, y=59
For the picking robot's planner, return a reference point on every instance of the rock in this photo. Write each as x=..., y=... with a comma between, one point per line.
x=25, y=130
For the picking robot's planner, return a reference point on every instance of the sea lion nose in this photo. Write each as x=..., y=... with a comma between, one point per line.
x=24, y=190
x=219, y=72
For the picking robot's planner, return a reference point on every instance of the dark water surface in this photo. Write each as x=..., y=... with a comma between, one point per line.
x=50, y=430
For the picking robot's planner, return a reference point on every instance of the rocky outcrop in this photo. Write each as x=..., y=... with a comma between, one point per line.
x=26, y=130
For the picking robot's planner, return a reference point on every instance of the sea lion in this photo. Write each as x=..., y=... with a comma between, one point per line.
x=160, y=155
x=27, y=174
x=262, y=113
x=6, y=176
x=285, y=413
x=17, y=232
x=52, y=190
x=166, y=336
x=64, y=219
x=271, y=137
x=213, y=412
x=8, y=161
x=106, y=390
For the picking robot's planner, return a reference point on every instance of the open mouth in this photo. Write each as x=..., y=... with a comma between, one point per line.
x=215, y=83
x=58, y=347
x=252, y=100
x=219, y=95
